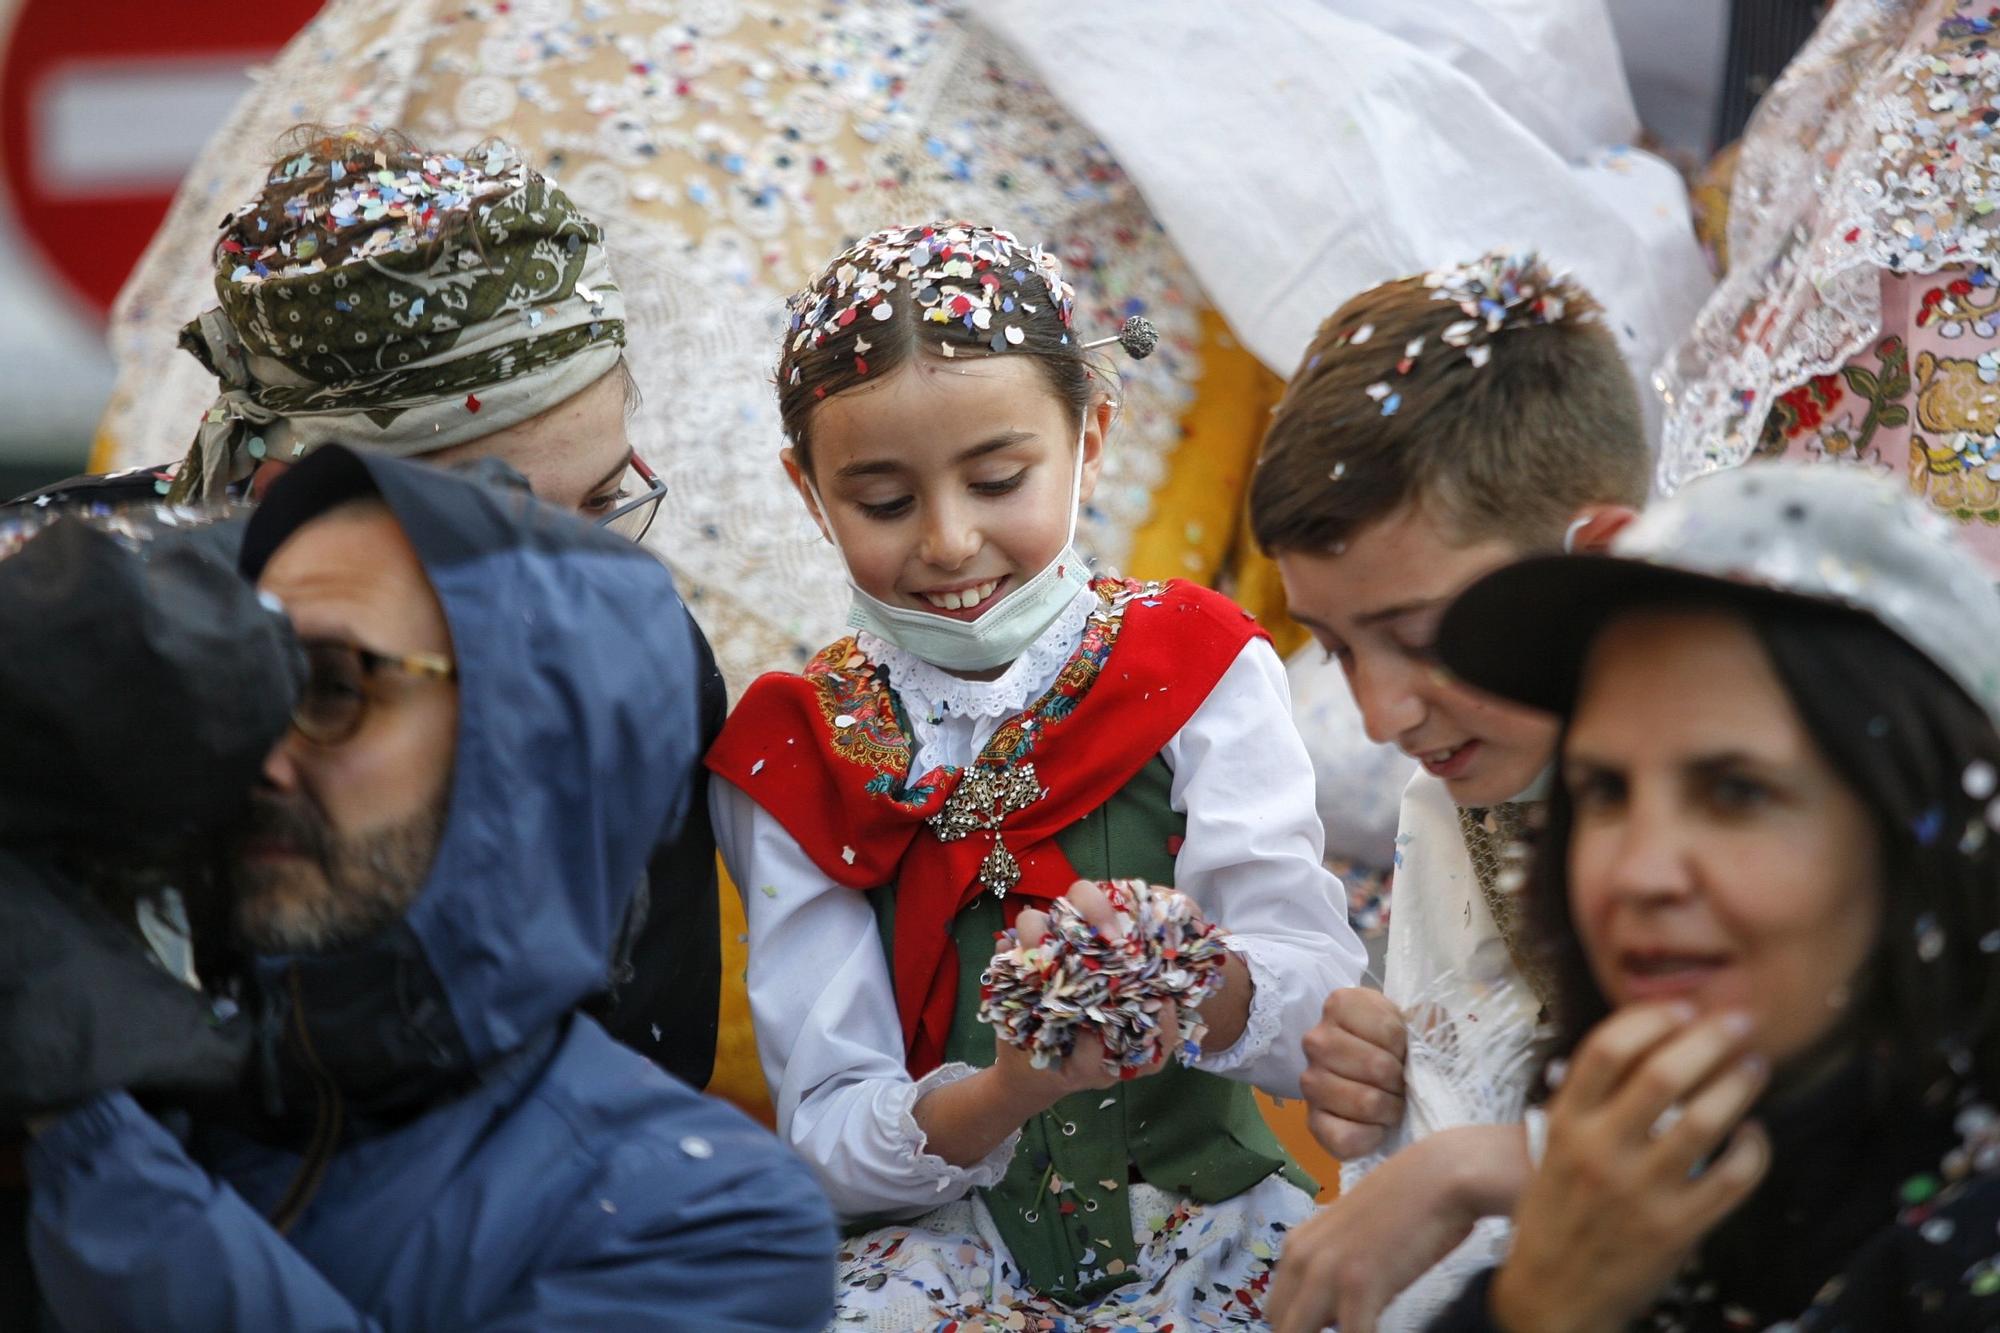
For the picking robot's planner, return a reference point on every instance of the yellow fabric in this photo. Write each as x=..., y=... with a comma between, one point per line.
x=103, y=452
x=1200, y=525
x=1709, y=199
x=738, y=1077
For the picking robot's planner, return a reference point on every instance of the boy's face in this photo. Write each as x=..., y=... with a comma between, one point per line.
x=1375, y=608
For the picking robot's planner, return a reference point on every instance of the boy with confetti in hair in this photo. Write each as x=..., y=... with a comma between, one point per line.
x=1060, y=1129
x=1439, y=427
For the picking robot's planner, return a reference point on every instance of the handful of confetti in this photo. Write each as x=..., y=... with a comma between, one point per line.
x=1078, y=979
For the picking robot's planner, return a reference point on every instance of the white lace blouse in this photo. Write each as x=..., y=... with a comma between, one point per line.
x=821, y=996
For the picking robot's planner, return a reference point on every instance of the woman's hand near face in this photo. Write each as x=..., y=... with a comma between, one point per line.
x=1345, y=1265
x=1615, y=1207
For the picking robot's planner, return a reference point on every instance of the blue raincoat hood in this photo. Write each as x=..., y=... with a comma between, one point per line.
x=578, y=744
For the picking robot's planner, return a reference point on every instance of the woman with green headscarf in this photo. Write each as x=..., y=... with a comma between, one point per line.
x=452, y=307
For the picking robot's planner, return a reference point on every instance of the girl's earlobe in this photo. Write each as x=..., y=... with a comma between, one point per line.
x=808, y=493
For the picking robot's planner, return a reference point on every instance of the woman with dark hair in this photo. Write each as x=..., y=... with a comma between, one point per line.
x=1769, y=894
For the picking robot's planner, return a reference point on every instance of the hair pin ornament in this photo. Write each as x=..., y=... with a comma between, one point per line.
x=1137, y=336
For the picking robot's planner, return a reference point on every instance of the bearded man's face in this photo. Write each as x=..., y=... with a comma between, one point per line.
x=341, y=834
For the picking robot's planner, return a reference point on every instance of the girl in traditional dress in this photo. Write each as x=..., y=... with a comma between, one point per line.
x=1002, y=725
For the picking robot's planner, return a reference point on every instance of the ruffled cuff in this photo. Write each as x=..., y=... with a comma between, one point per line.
x=950, y=1181
x=1267, y=1019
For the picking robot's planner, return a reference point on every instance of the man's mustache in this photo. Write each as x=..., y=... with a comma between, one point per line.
x=290, y=823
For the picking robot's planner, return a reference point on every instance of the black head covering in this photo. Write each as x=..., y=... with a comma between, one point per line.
x=142, y=684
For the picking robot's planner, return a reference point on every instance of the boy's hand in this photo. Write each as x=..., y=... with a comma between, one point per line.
x=1354, y=1072
x=1358, y=1254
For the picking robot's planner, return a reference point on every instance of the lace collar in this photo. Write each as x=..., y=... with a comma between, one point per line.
x=929, y=692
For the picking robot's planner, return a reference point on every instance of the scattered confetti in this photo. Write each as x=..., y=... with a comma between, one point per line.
x=1079, y=979
x=1930, y=938
x=1980, y=780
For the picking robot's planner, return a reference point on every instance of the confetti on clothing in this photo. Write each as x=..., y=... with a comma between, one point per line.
x=1201, y=1266
x=401, y=209
x=130, y=525
x=396, y=302
x=1078, y=979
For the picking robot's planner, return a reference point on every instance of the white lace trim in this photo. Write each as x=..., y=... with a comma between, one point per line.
x=931, y=693
x=1850, y=171
x=1266, y=1022
x=909, y=1136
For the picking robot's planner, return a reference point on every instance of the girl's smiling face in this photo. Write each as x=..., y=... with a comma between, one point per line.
x=947, y=483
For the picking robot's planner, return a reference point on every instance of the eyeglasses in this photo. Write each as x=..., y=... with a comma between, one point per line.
x=335, y=700
x=631, y=519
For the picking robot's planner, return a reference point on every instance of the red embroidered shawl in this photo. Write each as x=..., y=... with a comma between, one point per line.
x=828, y=754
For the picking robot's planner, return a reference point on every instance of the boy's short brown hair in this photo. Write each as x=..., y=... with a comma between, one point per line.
x=1493, y=391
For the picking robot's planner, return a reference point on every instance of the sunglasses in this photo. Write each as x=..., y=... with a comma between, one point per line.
x=631, y=519
x=335, y=700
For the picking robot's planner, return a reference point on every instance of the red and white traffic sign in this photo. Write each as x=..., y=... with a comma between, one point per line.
x=104, y=106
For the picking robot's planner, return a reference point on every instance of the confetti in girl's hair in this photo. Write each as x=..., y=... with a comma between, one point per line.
x=950, y=272
x=955, y=291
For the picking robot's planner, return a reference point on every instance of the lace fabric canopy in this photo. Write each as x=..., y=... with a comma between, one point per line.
x=730, y=147
x=1870, y=165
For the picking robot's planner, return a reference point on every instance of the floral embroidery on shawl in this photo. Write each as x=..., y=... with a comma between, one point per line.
x=863, y=719
x=1860, y=318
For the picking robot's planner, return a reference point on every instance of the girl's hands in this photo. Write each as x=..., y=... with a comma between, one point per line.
x=1039, y=1089
x=964, y=1121
x=1358, y=1254
x=1616, y=1205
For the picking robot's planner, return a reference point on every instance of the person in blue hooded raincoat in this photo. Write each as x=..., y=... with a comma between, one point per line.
x=499, y=722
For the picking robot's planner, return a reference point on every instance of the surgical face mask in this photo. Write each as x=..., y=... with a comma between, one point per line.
x=1006, y=629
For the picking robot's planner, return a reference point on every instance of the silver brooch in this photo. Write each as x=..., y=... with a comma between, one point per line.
x=983, y=800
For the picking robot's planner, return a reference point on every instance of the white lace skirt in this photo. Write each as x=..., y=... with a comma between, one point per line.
x=1200, y=1266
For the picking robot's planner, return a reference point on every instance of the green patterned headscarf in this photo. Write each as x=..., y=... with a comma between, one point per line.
x=403, y=306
